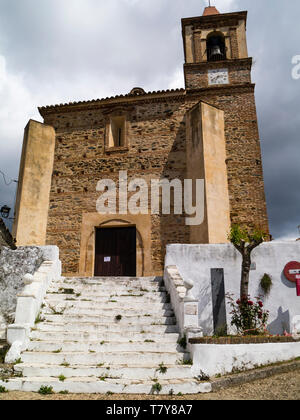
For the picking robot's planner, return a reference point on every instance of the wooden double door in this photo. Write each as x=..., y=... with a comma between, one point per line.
x=115, y=252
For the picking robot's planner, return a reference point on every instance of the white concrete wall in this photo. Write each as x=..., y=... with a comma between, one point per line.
x=195, y=262
x=213, y=359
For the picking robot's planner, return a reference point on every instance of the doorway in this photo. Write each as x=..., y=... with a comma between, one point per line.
x=115, y=252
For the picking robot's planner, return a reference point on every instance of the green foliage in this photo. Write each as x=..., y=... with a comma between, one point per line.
x=162, y=369
x=46, y=390
x=118, y=317
x=38, y=319
x=266, y=284
x=239, y=235
x=66, y=291
x=62, y=378
x=3, y=390
x=156, y=388
x=248, y=316
x=182, y=342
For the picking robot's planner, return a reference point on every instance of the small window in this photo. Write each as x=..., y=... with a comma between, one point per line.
x=117, y=132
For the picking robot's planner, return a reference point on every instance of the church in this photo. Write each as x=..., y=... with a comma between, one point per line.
x=207, y=131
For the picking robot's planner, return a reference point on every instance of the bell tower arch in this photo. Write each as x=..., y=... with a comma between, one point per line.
x=215, y=49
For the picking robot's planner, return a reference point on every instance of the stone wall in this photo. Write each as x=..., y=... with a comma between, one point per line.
x=156, y=147
x=14, y=264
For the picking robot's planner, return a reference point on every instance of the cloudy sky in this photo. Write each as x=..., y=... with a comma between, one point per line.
x=56, y=51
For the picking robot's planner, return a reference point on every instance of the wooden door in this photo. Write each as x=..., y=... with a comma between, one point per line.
x=115, y=252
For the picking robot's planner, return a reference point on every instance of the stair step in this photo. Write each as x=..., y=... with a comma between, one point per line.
x=106, y=347
x=97, y=386
x=116, y=337
x=122, y=372
x=73, y=310
x=115, y=281
x=104, y=328
x=126, y=319
x=138, y=299
x=105, y=304
x=79, y=358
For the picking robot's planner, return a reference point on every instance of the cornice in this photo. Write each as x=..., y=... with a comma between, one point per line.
x=119, y=101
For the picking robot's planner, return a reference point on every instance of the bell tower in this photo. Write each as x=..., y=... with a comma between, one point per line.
x=215, y=49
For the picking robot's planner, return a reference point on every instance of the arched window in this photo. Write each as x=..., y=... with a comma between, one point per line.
x=215, y=46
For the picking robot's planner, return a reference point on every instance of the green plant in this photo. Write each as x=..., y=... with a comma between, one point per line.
x=38, y=319
x=18, y=361
x=202, y=376
x=266, y=284
x=57, y=351
x=3, y=390
x=65, y=364
x=56, y=311
x=46, y=390
x=66, y=291
x=182, y=342
x=118, y=317
x=156, y=388
x=248, y=317
x=62, y=378
x=162, y=369
x=64, y=392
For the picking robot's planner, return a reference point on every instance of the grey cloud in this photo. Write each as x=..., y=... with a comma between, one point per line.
x=84, y=49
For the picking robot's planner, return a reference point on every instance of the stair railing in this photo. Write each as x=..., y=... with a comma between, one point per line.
x=184, y=303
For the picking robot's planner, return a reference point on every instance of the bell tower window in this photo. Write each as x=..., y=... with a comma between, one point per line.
x=215, y=46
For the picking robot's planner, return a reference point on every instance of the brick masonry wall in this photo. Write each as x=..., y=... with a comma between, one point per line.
x=156, y=148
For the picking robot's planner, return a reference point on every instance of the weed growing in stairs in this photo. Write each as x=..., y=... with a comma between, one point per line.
x=66, y=291
x=46, y=390
x=149, y=341
x=38, y=319
x=156, y=388
x=185, y=362
x=57, y=351
x=18, y=361
x=65, y=364
x=118, y=317
x=3, y=390
x=182, y=342
x=64, y=392
x=162, y=369
x=62, y=378
x=57, y=311
x=202, y=377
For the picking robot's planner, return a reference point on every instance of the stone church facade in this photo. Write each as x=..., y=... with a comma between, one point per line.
x=206, y=131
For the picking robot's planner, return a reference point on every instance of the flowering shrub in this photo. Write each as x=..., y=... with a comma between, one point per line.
x=248, y=316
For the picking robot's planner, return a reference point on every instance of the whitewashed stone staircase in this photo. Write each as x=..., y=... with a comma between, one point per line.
x=106, y=335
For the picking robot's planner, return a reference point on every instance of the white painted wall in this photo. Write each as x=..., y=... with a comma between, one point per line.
x=195, y=262
x=213, y=359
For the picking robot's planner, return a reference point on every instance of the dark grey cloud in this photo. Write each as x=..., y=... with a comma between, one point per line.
x=57, y=51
